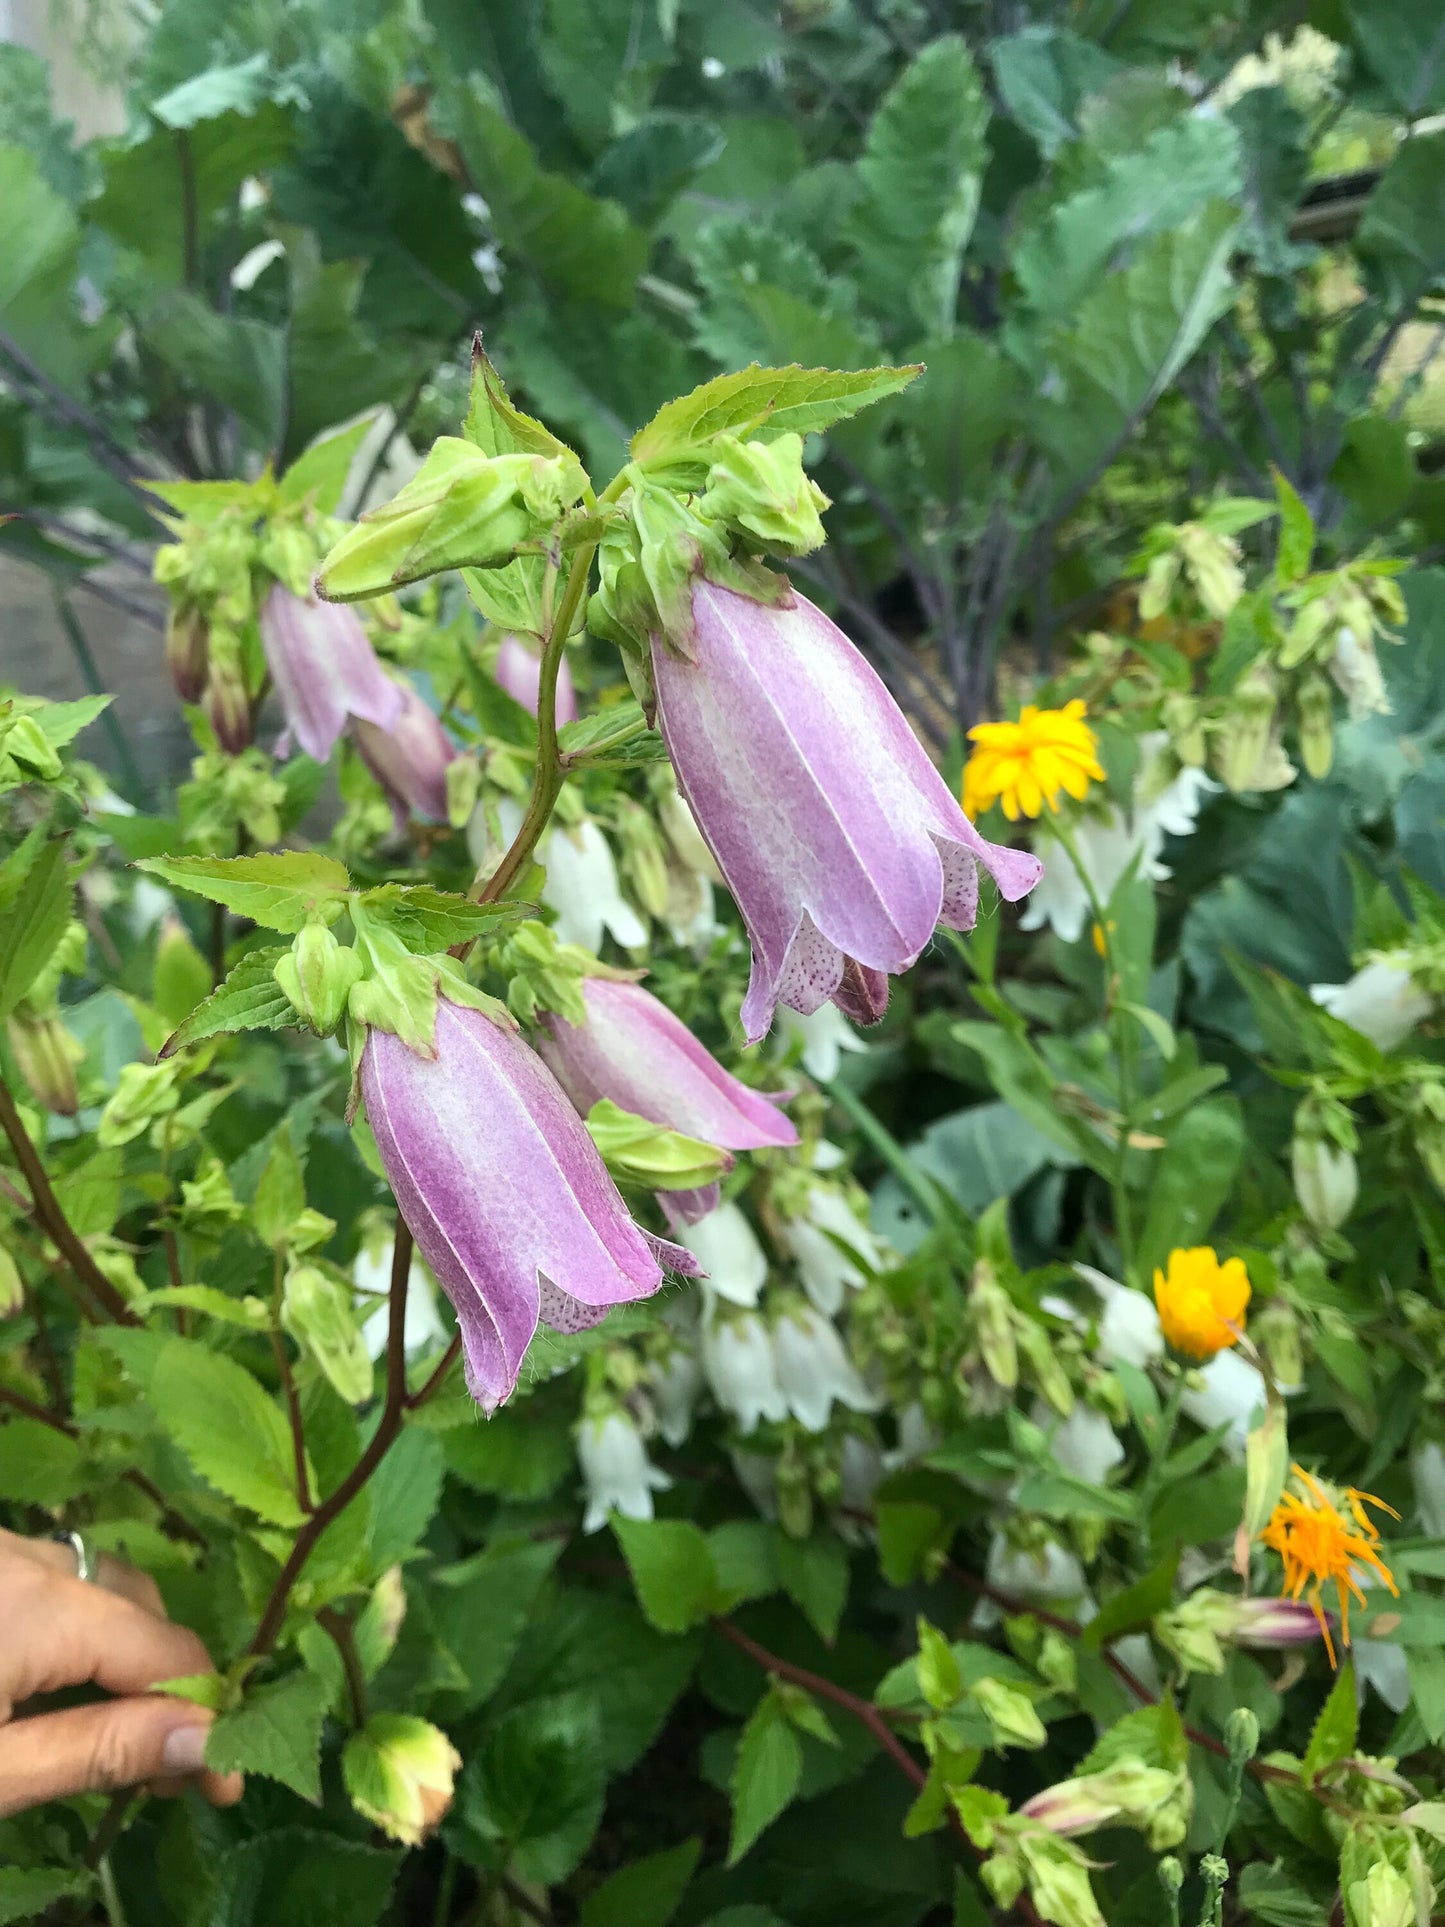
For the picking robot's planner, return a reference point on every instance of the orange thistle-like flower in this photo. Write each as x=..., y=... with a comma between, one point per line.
x=1201, y=1302
x=1024, y=765
x=1320, y=1546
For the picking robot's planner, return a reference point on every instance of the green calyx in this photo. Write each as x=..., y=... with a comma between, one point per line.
x=398, y=990
x=638, y=1152
x=318, y=975
x=760, y=493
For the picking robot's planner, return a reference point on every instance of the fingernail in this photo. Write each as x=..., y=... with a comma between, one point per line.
x=185, y=1750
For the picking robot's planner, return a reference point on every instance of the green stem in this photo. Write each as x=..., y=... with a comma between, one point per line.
x=1117, y=1023
x=919, y=1186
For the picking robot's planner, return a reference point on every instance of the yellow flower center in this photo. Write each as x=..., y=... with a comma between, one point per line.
x=1024, y=765
x=1319, y=1546
x=1201, y=1302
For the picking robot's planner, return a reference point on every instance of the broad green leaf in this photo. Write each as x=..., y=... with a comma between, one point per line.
x=303, y=1877
x=1401, y=42
x=644, y=1894
x=1153, y=1734
x=1044, y=74
x=239, y=361
x=320, y=471
x=742, y=1554
x=522, y=1452
x=1296, y=532
x=494, y=422
x=1427, y=1696
x=766, y=403
x=278, y=890
x=481, y=1607
x=1336, y=1729
x=578, y=246
x=767, y=1773
x=1193, y=1177
x=249, y=999
x=732, y=260
x=34, y=924
x=909, y=1534
x=39, y=1465
x=532, y=1795
x=252, y=1313
x=280, y=1191
x=276, y=1732
x=61, y=723
x=814, y=1574
x=26, y=1893
x=430, y=920
x=1402, y=235
x=39, y=262
x=405, y=1490
x=618, y=737
x=1136, y=1605
x=921, y=171
x=672, y=1569
x=603, y=60
x=231, y=1431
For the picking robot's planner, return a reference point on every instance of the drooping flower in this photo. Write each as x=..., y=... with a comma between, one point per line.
x=581, y=886
x=834, y=832
x=814, y=1370
x=325, y=670
x=1199, y=1629
x=1382, y=1000
x=825, y=1036
x=399, y=1771
x=409, y=759
x=820, y=1244
x=729, y=1255
x=674, y=1382
x=371, y=1274
x=1201, y=1302
x=1084, y=1444
x=1320, y=1547
x=504, y=1191
x=616, y=1470
x=518, y=668
x=1024, y=765
x=741, y=1369
x=633, y=1050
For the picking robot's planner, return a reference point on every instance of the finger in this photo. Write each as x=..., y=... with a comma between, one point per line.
x=118, y=1743
x=61, y=1631
x=112, y=1575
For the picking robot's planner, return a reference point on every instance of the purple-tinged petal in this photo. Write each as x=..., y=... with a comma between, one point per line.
x=564, y=1314
x=690, y=1207
x=409, y=759
x=502, y=1186
x=325, y=670
x=862, y=994
x=633, y=1050
x=833, y=830
x=518, y=669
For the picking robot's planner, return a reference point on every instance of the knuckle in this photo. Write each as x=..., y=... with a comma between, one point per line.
x=115, y=1756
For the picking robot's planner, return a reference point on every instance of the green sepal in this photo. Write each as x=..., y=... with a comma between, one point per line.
x=762, y=494
x=638, y=1151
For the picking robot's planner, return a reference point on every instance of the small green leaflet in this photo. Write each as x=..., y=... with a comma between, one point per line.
x=321, y=470
x=34, y=924
x=645, y=1894
x=227, y=1426
x=495, y=423
x=1296, y=533
x=201, y=1689
x=1337, y=1727
x=61, y=723
x=767, y=402
x=429, y=920
x=617, y=736
x=249, y=999
x=766, y=1773
x=275, y=1732
x=278, y=891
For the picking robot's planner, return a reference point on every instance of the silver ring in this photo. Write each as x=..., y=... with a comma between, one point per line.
x=83, y=1569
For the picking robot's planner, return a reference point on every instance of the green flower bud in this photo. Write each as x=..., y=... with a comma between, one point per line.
x=1010, y=1713
x=1241, y=1735
x=994, y=1322
x=1003, y=1875
x=208, y=1204
x=318, y=974
x=1382, y=1899
x=1213, y=563
x=1058, y=1879
x=187, y=652
x=1040, y=1348
x=761, y=493
x=643, y=1153
x=316, y=1310
x=143, y=1093
x=1056, y=1662
x=12, y=1286
x=1158, y=585
x=29, y=748
x=1316, y=705
x=1158, y=1800
x=1326, y=1180
x=47, y=1056
x=1183, y=718
x=644, y=857
x=399, y=1772
x=463, y=509
x=939, y=1678
x=1243, y=748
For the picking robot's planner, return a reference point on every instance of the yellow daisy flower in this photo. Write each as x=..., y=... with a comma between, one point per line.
x=1024, y=765
x=1201, y=1302
x=1320, y=1546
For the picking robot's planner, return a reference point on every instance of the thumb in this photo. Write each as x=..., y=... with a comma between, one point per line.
x=114, y=1743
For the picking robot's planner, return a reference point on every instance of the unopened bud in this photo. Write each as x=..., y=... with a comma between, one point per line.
x=761, y=492
x=1183, y=718
x=317, y=974
x=994, y=1325
x=187, y=653
x=1277, y=1334
x=143, y=1093
x=1316, y=705
x=1383, y=1898
x=1213, y=562
x=227, y=706
x=1326, y=1180
x=399, y=1772
x=29, y=748
x=1241, y=1735
x=1011, y=1714
x=47, y=1055
x=1247, y=737
x=644, y=1153
x=1171, y=1874
x=316, y=1310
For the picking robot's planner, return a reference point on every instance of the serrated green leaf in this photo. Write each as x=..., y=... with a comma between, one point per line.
x=494, y=422
x=645, y=1894
x=429, y=920
x=814, y=1574
x=672, y=1569
x=321, y=470
x=211, y=1303
x=39, y=1465
x=1336, y=1729
x=229, y=1429
x=61, y=723
x=766, y=403
x=1136, y=1605
x=1296, y=532
x=276, y=1732
x=34, y=924
x=534, y=1792
x=767, y=1773
x=617, y=737
x=28, y=1892
x=278, y=890
x=249, y=999
x=201, y=1689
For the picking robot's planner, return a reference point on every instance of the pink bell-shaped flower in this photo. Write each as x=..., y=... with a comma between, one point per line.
x=518, y=668
x=505, y=1193
x=834, y=832
x=633, y=1050
x=325, y=670
x=409, y=759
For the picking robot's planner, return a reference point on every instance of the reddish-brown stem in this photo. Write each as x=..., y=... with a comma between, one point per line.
x=343, y=1636
x=54, y=1221
x=867, y=1715
x=293, y=1413
x=388, y=1425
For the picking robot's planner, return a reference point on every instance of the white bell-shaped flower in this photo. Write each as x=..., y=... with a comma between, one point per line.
x=826, y=1034
x=1380, y=1663
x=757, y=1474
x=1427, y=1468
x=814, y=1240
x=581, y=886
x=1050, y=1572
x=371, y=1273
x=675, y=1382
x=861, y=1468
x=727, y=1248
x=740, y=1368
x=616, y=1471
x=813, y=1368
x=1382, y=1001
x=1084, y=1444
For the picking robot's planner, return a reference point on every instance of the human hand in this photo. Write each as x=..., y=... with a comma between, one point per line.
x=110, y=1631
